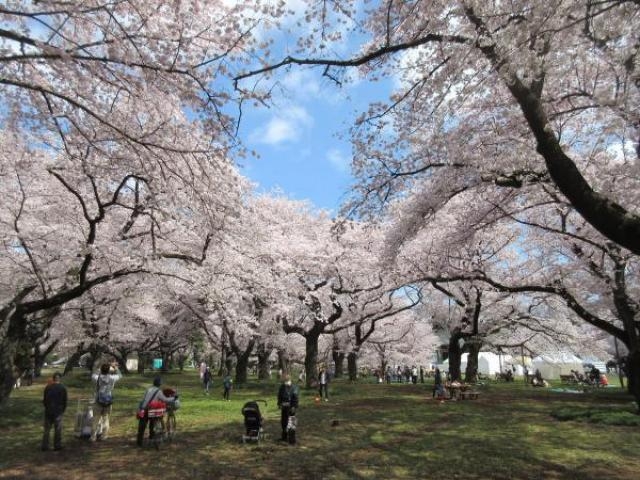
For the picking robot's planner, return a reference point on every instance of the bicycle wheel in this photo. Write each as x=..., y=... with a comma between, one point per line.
x=171, y=426
x=158, y=432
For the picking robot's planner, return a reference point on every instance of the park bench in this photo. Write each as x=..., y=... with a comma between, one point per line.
x=567, y=379
x=470, y=394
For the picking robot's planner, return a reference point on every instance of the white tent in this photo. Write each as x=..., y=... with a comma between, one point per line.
x=488, y=363
x=553, y=365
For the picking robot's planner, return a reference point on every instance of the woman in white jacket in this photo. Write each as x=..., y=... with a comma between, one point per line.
x=105, y=382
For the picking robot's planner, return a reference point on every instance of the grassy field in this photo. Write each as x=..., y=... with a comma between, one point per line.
x=366, y=431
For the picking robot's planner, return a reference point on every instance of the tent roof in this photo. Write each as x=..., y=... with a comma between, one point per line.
x=564, y=357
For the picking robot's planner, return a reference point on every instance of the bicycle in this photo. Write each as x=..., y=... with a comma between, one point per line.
x=171, y=424
x=157, y=426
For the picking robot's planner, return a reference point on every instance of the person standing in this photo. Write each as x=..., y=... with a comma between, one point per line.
x=206, y=380
x=287, y=403
x=438, y=389
x=55, y=404
x=227, y=383
x=323, y=383
x=152, y=394
x=105, y=382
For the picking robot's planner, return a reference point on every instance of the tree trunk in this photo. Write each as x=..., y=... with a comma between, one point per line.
x=338, y=362
x=352, y=365
x=284, y=362
x=143, y=358
x=455, y=356
x=73, y=360
x=228, y=364
x=263, y=361
x=471, y=373
x=633, y=376
x=7, y=374
x=242, y=366
x=311, y=356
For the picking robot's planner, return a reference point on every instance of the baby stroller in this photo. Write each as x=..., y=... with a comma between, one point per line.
x=252, y=421
x=84, y=418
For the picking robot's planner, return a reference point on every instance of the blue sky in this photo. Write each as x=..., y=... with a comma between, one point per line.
x=298, y=139
x=302, y=141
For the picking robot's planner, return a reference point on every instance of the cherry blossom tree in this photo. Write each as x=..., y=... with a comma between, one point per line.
x=548, y=91
x=115, y=145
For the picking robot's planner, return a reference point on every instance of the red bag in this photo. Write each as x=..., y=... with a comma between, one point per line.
x=156, y=408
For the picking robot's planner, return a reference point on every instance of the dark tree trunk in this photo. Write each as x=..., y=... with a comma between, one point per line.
x=338, y=362
x=7, y=373
x=352, y=365
x=242, y=367
x=228, y=364
x=242, y=363
x=311, y=356
x=455, y=356
x=143, y=359
x=284, y=362
x=473, y=349
x=263, y=361
x=121, y=355
x=223, y=361
x=633, y=376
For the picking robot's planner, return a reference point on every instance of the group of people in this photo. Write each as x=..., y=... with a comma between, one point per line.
x=55, y=401
x=207, y=382
x=405, y=374
x=592, y=377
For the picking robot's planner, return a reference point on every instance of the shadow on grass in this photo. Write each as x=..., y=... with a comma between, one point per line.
x=364, y=432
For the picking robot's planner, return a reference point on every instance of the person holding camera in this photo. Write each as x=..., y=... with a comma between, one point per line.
x=105, y=383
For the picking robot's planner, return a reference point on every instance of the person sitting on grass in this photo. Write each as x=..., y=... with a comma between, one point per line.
x=538, y=381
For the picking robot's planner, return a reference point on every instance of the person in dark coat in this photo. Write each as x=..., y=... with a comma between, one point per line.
x=287, y=402
x=438, y=389
x=323, y=384
x=55, y=404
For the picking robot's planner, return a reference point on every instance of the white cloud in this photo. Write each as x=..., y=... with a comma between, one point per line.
x=303, y=82
x=339, y=160
x=287, y=126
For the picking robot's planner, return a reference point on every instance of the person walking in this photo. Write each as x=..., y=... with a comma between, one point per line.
x=323, y=383
x=206, y=380
x=105, y=382
x=287, y=403
x=55, y=404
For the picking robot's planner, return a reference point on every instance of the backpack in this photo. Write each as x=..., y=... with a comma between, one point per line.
x=103, y=398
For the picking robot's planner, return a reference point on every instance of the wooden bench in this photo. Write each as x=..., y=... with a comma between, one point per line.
x=568, y=379
x=470, y=394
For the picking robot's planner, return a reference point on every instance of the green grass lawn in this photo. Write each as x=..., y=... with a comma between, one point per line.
x=366, y=431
